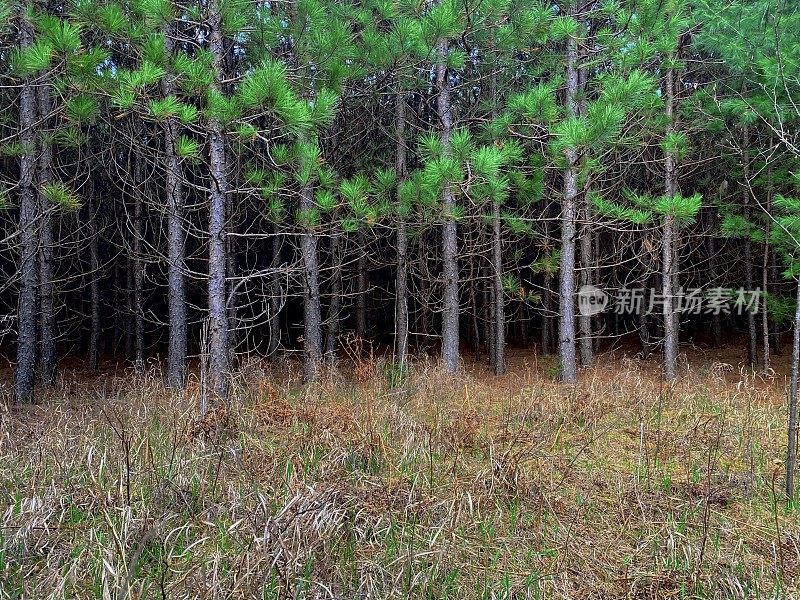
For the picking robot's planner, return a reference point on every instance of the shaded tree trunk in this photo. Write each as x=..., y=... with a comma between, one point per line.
x=361, y=284
x=791, y=446
x=473, y=299
x=28, y=277
x=335, y=307
x=274, y=296
x=94, y=286
x=47, y=325
x=176, y=236
x=716, y=317
x=401, y=284
x=424, y=287
x=752, y=336
x=585, y=339
x=774, y=275
x=129, y=326
x=499, y=300
x=765, y=362
x=488, y=315
x=138, y=266
x=546, y=304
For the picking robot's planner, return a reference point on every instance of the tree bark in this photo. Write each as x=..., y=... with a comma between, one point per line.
x=401, y=284
x=274, y=296
x=548, y=284
x=361, y=284
x=176, y=236
x=450, y=307
x=28, y=277
x=230, y=271
x=585, y=339
x=218, y=341
x=791, y=446
x=312, y=335
x=716, y=317
x=569, y=367
x=488, y=315
x=335, y=307
x=47, y=325
x=138, y=266
x=424, y=288
x=499, y=299
x=668, y=247
x=774, y=275
x=129, y=326
x=765, y=362
x=94, y=286
x=752, y=336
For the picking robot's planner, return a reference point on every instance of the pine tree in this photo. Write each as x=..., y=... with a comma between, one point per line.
x=26, y=304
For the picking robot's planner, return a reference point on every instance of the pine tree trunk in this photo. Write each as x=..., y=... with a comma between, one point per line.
x=670, y=331
x=569, y=366
x=774, y=276
x=765, y=324
x=274, y=296
x=138, y=266
x=118, y=327
x=546, y=292
x=28, y=276
x=473, y=299
x=488, y=315
x=176, y=258
x=312, y=335
x=47, y=326
x=791, y=447
x=335, y=307
x=218, y=340
x=644, y=333
x=668, y=248
x=94, y=287
x=499, y=300
x=230, y=270
x=424, y=288
x=748, y=248
x=585, y=339
x=130, y=312
x=401, y=285
x=716, y=317
x=450, y=307
x=361, y=285
x=548, y=284
x=765, y=366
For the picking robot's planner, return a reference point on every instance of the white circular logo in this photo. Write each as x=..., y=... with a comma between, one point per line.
x=591, y=300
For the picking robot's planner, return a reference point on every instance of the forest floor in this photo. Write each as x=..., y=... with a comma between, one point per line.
x=359, y=487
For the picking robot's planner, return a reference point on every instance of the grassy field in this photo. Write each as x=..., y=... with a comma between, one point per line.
x=467, y=487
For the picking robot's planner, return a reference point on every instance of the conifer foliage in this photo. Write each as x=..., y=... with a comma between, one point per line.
x=186, y=184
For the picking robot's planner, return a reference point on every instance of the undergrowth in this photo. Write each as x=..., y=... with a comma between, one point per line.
x=377, y=483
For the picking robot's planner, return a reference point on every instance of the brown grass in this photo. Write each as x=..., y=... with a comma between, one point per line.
x=466, y=487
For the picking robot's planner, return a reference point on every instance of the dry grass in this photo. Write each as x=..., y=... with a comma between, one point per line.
x=468, y=487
